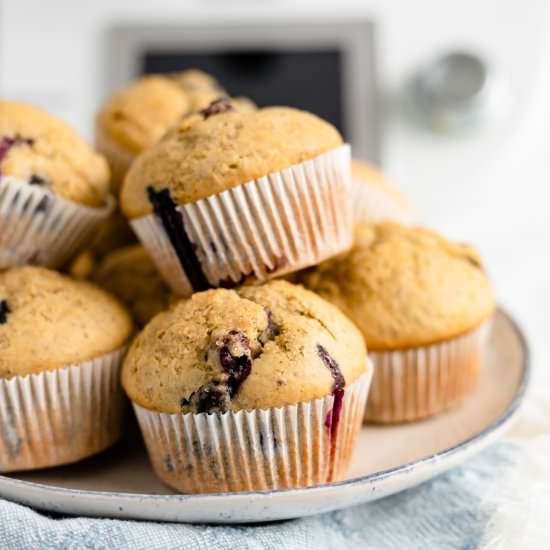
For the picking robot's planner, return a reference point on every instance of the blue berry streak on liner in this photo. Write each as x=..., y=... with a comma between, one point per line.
x=43, y=205
x=333, y=417
x=4, y=310
x=172, y=221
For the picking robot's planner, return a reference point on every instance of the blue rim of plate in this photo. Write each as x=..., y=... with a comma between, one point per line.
x=367, y=479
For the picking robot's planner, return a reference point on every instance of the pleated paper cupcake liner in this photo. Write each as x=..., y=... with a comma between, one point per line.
x=40, y=228
x=372, y=205
x=416, y=383
x=61, y=416
x=279, y=448
x=265, y=228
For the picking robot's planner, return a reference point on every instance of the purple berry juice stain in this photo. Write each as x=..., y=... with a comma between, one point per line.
x=332, y=420
x=172, y=221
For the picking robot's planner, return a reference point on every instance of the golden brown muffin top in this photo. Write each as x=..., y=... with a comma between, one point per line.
x=194, y=79
x=48, y=321
x=130, y=274
x=200, y=88
x=220, y=148
x=405, y=286
x=253, y=348
x=39, y=149
x=137, y=116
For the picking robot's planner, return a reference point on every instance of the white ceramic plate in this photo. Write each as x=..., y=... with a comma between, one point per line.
x=119, y=483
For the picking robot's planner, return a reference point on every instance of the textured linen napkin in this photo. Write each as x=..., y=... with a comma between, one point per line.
x=479, y=505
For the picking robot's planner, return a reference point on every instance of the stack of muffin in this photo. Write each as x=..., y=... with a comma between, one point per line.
x=240, y=379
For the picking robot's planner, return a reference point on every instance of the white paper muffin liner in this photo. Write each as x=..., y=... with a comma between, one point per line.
x=259, y=450
x=61, y=416
x=40, y=228
x=265, y=228
x=415, y=383
x=371, y=204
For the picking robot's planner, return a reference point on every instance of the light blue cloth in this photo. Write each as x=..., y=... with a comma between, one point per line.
x=448, y=512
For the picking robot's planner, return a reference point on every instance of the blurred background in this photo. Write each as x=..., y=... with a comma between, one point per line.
x=451, y=98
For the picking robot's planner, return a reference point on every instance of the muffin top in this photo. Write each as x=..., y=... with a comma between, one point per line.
x=37, y=148
x=362, y=172
x=130, y=274
x=405, y=286
x=195, y=79
x=138, y=115
x=220, y=148
x=200, y=88
x=251, y=348
x=48, y=321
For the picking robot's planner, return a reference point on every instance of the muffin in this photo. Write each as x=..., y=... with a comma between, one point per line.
x=59, y=403
x=54, y=189
x=135, y=118
x=374, y=198
x=199, y=87
x=423, y=305
x=230, y=197
x=257, y=388
x=131, y=275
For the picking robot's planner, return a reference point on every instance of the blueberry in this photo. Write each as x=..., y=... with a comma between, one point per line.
x=212, y=397
x=4, y=310
x=236, y=359
x=221, y=105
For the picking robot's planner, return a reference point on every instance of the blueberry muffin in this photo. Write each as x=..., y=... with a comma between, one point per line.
x=54, y=189
x=228, y=196
x=374, y=198
x=137, y=116
x=38, y=149
x=61, y=343
x=131, y=275
x=422, y=303
x=256, y=367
